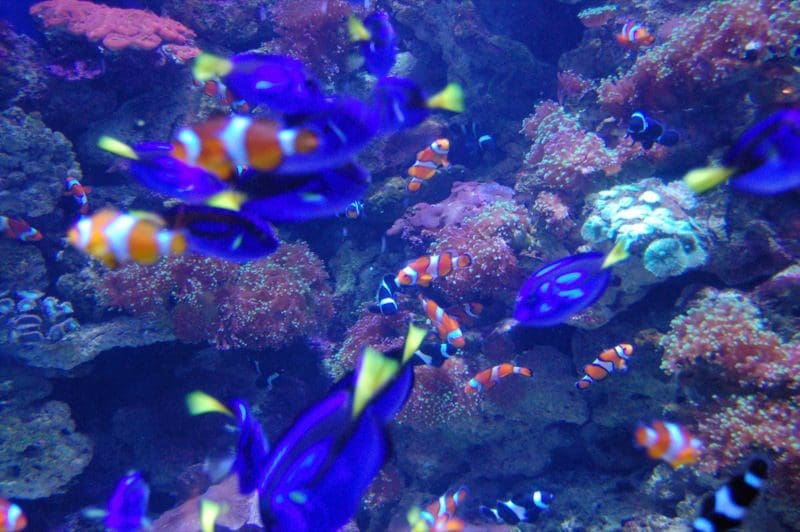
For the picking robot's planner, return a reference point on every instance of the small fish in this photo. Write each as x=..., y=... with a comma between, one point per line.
x=423, y=270
x=447, y=327
x=378, y=42
x=11, y=517
x=279, y=82
x=400, y=103
x=354, y=210
x=764, y=161
x=647, y=131
x=115, y=238
x=127, y=508
x=520, y=509
x=433, y=354
x=386, y=297
x=565, y=287
x=488, y=378
x=445, y=506
x=609, y=361
x=669, y=442
x=428, y=162
x=79, y=192
x=727, y=507
x=635, y=35
x=19, y=229
x=216, y=89
x=473, y=145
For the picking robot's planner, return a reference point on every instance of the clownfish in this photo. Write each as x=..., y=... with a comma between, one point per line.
x=115, y=237
x=423, y=270
x=634, y=35
x=223, y=143
x=489, y=377
x=670, y=442
x=433, y=354
x=727, y=507
x=445, y=506
x=447, y=327
x=519, y=509
x=11, y=517
x=79, y=192
x=216, y=89
x=386, y=297
x=19, y=229
x=609, y=361
x=428, y=162
x=354, y=210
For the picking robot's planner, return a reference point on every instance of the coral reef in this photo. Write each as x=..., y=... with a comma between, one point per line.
x=232, y=24
x=266, y=303
x=21, y=76
x=22, y=266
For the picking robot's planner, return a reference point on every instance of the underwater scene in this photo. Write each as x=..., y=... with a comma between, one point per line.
x=399, y=265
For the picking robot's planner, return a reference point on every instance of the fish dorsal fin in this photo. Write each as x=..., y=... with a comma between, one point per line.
x=702, y=179
x=117, y=147
x=618, y=253
x=451, y=98
x=208, y=66
x=199, y=402
x=357, y=30
x=414, y=339
x=375, y=370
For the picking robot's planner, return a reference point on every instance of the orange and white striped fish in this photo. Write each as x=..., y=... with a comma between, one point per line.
x=670, y=442
x=11, y=517
x=445, y=506
x=428, y=162
x=488, y=378
x=609, y=361
x=425, y=269
x=115, y=237
x=79, y=192
x=448, y=328
x=634, y=35
x=223, y=143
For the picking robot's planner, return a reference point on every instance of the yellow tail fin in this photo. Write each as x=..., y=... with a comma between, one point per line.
x=414, y=339
x=376, y=370
x=451, y=98
x=117, y=147
x=617, y=254
x=357, y=30
x=228, y=199
x=703, y=179
x=209, y=513
x=208, y=66
x=201, y=403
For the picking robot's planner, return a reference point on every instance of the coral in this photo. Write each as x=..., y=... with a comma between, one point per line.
x=695, y=63
x=438, y=398
x=554, y=214
x=262, y=304
x=116, y=29
x=41, y=451
x=726, y=331
x=594, y=17
x=33, y=163
x=571, y=86
x=21, y=77
x=232, y=24
x=30, y=318
x=22, y=265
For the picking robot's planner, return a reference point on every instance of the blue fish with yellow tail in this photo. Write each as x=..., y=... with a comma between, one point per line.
x=400, y=103
x=565, y=287
x=378, y=42
x=127, y=508
x=279, y=82
x=764, y=161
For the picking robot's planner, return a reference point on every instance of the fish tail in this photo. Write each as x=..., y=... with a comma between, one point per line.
x=209, y=513
x=357, y=30
x=375, y=370
x=617, y=254
x=414, y=339
x=229, y=200
x=199, y=403
x=208, y=66
x=703, y=179
x=117, y=147
x=526, y=372
x=451, y=98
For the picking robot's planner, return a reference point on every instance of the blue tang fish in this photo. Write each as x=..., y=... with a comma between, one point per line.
x=378, y=42
x=565, y=287
x=127, y=507
x=317, y=472
x=765, y=160
x=400, y=103
x=279, y=82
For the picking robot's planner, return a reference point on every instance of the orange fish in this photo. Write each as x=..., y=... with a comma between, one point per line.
x=488, y=378
x=79, y=192
x=447, y=327
x=214, y=88
x=423, y=270
x=609, y=361
x=634, y=35
x=11, y=517
x=670, y=442
x=19, y=229
x=428, y=162
x=114, y=238
x=444, y=508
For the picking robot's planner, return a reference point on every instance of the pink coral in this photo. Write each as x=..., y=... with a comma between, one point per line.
x=265, y=303
x=117, y=29
x=555, y=214
x=438, y=398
